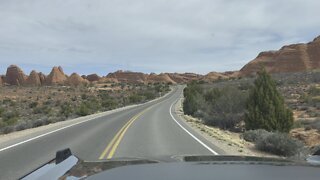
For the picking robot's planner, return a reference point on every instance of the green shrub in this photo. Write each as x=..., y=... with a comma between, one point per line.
x=66, y=110
x=279, y=144
x=33, y=104
x=266, y=108
x=10, y=117
x=83, y=110
x=134, y=98
x=225, y=107
x=1, y=111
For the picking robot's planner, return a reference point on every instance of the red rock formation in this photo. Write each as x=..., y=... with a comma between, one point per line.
x=292, y=58
x=15, y=76
x=76, y=80
x=33, y=79
x=2, y=80
x=128, y=76
x=161, y=78
x=56, y=76
x=42, y=78
x=213, y=76
x=93, y=77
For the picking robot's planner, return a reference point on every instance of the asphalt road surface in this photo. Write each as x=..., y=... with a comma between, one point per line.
x=151, y=130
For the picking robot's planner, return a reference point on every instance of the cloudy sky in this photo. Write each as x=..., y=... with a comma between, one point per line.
x=100, y=36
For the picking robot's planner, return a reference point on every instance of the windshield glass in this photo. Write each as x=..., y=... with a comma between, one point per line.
x=153, y=80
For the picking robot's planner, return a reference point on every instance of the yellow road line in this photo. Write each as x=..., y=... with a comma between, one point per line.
x=118, y=137
x=112, y=141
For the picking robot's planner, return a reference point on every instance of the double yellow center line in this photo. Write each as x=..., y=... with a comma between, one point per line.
x=109, y=151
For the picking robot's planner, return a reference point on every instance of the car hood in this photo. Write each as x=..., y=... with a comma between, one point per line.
x=68, y=166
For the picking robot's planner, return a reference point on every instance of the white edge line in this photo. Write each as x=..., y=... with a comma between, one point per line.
x=100, y=115
x=194, y=137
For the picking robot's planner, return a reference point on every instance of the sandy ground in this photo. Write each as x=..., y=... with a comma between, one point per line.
x=229, y=142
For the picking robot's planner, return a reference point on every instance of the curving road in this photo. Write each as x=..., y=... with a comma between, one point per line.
x=151, y=130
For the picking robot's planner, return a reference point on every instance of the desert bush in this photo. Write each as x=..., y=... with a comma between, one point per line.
x=279, y=144
x=226, y=107
x=33, y=104
x=21, y=126
x=10, y=117
x=135, y=98
x=83, y=110
x=7, y=129
x=41, y=122
x=1, y=111
x=309, y=124
x=193, y=98
x=254, y=135
x=45, y=109
x=66, y=110
x=266, y=108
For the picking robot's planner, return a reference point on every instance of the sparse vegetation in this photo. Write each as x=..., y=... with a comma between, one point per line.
x=279, y=143
x=297, y=91
x=39, y=106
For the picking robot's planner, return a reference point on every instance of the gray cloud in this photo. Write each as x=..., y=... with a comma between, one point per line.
x=144, y=35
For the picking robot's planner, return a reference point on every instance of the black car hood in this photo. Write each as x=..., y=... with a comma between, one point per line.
x=68, y=166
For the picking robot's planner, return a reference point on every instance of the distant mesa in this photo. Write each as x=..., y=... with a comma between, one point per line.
x=291, y=58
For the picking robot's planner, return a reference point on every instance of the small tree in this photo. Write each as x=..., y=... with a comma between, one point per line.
x=265, y=106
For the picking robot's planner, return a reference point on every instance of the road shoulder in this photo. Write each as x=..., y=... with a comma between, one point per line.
x=227, y=141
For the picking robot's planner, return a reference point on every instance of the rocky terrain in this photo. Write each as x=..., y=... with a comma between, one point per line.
x=291, y=58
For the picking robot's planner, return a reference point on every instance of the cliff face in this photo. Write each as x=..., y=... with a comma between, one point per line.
x=291, y=58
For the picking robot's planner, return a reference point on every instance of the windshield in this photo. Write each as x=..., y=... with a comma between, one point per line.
x=153, y=80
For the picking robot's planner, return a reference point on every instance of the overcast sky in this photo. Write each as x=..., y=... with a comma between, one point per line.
x=87, y=36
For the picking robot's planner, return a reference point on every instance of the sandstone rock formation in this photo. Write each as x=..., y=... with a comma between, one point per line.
x=56, y=76
x=184, y=78
x=33, y=79
x=76, y=80
x=2, y=80
x=161, y=78
x=92, y=77
x=15, y=76
x=213, y=76
x=128, y=76
x=42, y=78
x=291, y=58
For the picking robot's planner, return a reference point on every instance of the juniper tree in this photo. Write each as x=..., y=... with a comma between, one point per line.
x=266, y=108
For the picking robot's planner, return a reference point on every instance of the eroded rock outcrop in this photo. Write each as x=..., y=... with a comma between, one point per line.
x=75, y=80
x=56, y=76
x=128, y=76
x=291, y=58
x=15, y=76
x=33, y=79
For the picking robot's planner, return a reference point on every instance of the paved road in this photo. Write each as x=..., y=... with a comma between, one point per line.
x=150, y=130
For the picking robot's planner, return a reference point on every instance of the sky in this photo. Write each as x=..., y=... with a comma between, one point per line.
x=102, y=36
